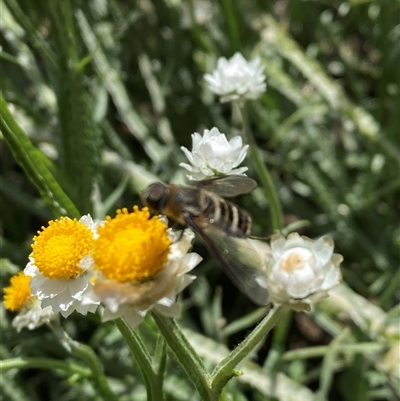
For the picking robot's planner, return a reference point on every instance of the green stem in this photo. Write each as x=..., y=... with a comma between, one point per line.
x=186, y=356
x=224, y=371
x=44, y=363
x=160, y=356
x=86, y=354
x=139, y=352
x=98, y=377
x=263, y=173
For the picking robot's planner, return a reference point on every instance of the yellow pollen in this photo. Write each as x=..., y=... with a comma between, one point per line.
x=58, y=248
x=132, y=247
x=18, y=294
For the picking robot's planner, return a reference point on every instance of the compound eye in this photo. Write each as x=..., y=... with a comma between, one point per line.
x=154, y=196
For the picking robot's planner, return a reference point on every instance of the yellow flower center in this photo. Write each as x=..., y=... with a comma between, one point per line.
x=58, y=248
x=296, y=259
x=18, y=294
x=132, y=247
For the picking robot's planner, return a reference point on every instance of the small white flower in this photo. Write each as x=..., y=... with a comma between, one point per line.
x=301, y=271
x=237, y=78
x=142, y=272
x=18, y=298
x=212, y=155
x=33, y=316
x=61, y=266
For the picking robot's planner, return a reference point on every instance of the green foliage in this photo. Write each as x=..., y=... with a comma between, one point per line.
x=98, y=96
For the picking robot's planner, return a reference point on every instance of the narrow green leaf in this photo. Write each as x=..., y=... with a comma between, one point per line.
x=243, y=322
x=27, y=156
x=81, y=142
x=328, y=369
x=38, y=42
x=114, y=85
x=345, y=349
x=109, y=202
x=157, y=99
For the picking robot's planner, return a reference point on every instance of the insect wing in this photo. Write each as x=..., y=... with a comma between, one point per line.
x=229, y=186
x=239, y=259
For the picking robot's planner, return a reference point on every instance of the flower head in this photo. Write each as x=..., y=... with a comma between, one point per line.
x=212, y=155
x=60, y=266
x=301, y=271
x=18, y=298
x=236, y=78
x=142, y=265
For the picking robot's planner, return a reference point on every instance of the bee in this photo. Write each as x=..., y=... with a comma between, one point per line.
x=223, y=227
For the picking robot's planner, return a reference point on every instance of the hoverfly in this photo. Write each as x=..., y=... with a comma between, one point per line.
x=223, y=226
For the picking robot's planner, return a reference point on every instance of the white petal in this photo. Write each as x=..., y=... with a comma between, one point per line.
x=108, y=315
x=86, y=262
x=239, y=171
x=189, y=262
x=36, y=284
x=241, y=156
x=132, y=318
x=294, y=240
x=51, y=287
x=167, y=301
x=60, y=304
x=184, y=281
x=323, y=247
x=31, y=270
x=112, y=303
x=187, y=153
x=173, y=311
x=277, y=244
x=78, y=286
x=332, y=278
x=88, y=222
x=186, y=166
x=83, y=309
x=197, y=139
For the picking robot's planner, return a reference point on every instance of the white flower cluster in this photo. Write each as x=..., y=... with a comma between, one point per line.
x=237, y=79
x=213, y=155
x=301, y=271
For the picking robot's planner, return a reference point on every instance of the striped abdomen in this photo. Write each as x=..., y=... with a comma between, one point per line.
x=226, y=215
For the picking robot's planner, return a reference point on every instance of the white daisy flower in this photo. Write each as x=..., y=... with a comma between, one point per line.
x=237, y=79
x=301, y=271
x=212, y=155
x=142, y=266
x=61, y=266
x=18, y=298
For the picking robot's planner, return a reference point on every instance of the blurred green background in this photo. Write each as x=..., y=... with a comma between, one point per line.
x=108, y=90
